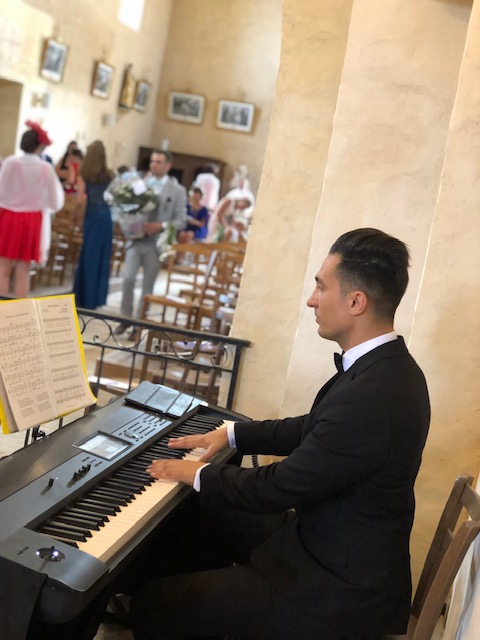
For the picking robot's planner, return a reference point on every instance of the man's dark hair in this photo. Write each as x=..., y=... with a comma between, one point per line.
x=29, y=142
x=167, y=154
x=375, y=263
x=210, y=168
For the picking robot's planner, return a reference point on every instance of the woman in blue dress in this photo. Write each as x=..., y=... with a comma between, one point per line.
x=93, y=270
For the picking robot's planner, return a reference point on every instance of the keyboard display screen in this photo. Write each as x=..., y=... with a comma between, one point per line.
x=104, y=446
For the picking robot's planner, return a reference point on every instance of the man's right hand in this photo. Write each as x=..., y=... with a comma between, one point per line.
x=213, y=441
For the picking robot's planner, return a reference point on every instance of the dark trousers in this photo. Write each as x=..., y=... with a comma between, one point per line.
x=212, y=597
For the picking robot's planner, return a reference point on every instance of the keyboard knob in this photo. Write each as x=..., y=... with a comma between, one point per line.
x=50, y=554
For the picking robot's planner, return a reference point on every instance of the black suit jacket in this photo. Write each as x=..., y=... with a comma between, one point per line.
x=349, y=473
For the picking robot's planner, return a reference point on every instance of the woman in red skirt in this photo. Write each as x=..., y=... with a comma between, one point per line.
x=29, y=193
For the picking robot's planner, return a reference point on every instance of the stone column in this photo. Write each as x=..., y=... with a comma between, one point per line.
x=314, y=38
x=446, y=333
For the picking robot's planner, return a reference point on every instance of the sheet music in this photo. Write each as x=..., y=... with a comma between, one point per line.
x=41, y=363
x=23, y=364
x=62, y=344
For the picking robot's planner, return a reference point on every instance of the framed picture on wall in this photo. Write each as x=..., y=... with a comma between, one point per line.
x=186, y=106
x=54, y=58
x=102, y=80
x=237, y=116
x=127, y=92
x=142, y=91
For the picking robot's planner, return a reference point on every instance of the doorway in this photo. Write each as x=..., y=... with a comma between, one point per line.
x=10, y=98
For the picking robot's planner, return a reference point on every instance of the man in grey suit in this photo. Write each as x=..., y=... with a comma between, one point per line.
x=143, y=252
x=320, y=540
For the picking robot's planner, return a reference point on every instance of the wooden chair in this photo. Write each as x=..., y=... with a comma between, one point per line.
x=219, y=300
x=67, y=240
x=118, y=250
x=447, y=551
x=187, y=264
x=221, y=296
x=190, y=308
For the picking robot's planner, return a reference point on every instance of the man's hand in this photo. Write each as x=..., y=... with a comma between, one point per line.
x=175, y=470
x=213, y=442
x=152, y=227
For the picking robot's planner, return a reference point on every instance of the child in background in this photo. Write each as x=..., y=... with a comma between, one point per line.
x=197, y=217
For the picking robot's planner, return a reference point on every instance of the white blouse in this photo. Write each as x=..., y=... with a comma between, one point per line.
x=28, y=183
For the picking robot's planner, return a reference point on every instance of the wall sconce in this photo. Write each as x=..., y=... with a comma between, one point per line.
x=109, y=119
x=41, y=100
x=119, y=148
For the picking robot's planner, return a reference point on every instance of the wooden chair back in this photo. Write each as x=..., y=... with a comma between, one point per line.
x=189, y=306
x=451, y=541
x=187, y=263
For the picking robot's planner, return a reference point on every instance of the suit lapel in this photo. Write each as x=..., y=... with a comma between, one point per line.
x=389, y=350
x=165, y=193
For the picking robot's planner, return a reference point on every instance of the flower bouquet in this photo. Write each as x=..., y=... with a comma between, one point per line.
x=165, y=240
x=133, y=201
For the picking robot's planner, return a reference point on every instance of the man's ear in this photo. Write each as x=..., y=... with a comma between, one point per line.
x=358, y=302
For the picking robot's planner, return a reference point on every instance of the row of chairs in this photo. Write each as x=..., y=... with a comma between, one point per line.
x=202, y=283
x=209, y=278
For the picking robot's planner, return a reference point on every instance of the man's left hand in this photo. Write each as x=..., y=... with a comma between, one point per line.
x=152, y=227
x=176, y=470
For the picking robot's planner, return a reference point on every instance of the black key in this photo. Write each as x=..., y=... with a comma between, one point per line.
x=68, y=535
x=133, y=475
x=114, y=500
x=87, y=524
x=87, y=513
x=121, y=495
x=69, y=527
x=103, y=502
x=119, y=483
x=97, y=508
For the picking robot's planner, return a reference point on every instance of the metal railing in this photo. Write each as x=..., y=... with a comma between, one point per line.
x=196, y=362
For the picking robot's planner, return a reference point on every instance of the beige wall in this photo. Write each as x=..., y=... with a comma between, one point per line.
x=217, y=49
x=223, y=51
x=92, y=32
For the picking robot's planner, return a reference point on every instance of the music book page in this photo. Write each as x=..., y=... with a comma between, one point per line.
x=42, y=364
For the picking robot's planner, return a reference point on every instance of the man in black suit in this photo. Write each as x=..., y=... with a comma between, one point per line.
x=321, y=539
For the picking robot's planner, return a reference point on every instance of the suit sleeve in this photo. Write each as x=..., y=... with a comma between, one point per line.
x=346, y=441
x=179, y=215
x=269, y=437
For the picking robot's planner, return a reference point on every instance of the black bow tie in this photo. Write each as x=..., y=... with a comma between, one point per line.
x=337, y=357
